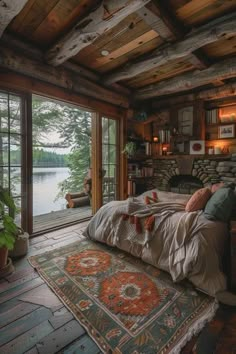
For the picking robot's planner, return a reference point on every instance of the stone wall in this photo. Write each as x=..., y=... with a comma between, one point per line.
x=208, y=170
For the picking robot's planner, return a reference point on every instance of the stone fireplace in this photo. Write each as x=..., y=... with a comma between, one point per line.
x=186, y=184
x=187, y=173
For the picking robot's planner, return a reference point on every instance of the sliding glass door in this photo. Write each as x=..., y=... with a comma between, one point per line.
x=110, y=160
x=11, y=148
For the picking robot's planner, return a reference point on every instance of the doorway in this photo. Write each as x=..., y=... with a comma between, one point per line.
x=61, y=142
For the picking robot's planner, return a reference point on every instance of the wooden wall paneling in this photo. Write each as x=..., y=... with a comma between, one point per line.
x=199, y=120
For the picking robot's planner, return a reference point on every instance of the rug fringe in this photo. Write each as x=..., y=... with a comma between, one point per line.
x=196, y=328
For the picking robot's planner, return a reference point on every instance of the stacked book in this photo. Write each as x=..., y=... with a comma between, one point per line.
x=131, y=188
x=212, y=116
x=164, y=136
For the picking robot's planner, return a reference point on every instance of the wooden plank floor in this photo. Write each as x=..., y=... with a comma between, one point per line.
x=60, y=217
x=34, y=321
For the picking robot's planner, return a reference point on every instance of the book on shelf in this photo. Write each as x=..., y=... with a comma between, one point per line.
x=212, y=116
x=131, y=187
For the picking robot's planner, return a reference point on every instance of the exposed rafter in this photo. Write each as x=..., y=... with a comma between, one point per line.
x=206, y=34
x=8, y=10
x=90, y=28
x=61, y=77
x=162, y=10
x=9, y=41
x=156, y=23
x=220, y=71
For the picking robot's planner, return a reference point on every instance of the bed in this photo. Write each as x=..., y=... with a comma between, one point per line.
x=163, y=234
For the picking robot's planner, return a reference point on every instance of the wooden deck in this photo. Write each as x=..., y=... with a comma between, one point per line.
x=34, y=321
x=61, y=217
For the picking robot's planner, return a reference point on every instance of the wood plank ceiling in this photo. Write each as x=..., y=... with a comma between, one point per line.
x=140, y=44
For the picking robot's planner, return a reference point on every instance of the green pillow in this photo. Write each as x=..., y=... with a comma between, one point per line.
x=220, y=205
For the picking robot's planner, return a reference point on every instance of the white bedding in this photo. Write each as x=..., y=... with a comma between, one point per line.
x=186, y=245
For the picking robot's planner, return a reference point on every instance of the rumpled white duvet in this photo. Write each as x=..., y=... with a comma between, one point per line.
x=186, y=245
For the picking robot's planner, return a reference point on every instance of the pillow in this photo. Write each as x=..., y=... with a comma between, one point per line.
x=198, y=199
x=216, y=186
x=220, y=205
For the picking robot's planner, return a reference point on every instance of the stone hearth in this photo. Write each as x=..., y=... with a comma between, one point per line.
x=208, y=170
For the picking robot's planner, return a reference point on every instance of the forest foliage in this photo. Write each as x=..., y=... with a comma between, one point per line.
x=73, y=128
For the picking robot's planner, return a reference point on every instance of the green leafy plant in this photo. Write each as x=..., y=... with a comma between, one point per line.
x=8, y=228
x=130, y=148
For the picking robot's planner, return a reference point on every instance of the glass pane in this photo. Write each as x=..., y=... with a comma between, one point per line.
x=105, y=154
x=15, y=139
x=3, y=111
x=4, y=157
x=15, y=107
x=15, y=155
x=112, y=153
x=15, y=183
x=112, y=131
x=3, y=123
x=18, y=211
x=10, y=145
x=112, y=171
x=105, y=131
x=15, y=126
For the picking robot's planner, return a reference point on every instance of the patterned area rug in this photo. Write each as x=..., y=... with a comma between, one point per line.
x=126, y=305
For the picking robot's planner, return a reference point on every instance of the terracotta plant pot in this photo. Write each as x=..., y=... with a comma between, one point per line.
x=3, y=257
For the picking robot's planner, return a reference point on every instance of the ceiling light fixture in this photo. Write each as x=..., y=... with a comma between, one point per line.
x=105, y=52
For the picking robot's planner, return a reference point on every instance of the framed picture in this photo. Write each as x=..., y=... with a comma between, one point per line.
x=197, y=147
x=226, y=131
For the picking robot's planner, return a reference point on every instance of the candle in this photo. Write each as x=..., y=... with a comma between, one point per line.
x=164, y=149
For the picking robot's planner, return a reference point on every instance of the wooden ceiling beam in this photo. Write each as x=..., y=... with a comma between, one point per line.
x=227, y=90
x=156, y=23
x=91, y=27
x=214, y=31
x=220, y=71
x=60, y=77
x=162, y=10
x=8, y=10
x=9, y=41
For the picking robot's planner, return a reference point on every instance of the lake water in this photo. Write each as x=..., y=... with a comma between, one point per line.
x=45, y=189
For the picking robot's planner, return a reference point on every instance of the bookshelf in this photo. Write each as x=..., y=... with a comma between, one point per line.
x=139, y=171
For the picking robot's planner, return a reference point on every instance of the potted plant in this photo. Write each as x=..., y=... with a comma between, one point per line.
x=130, y=149
x=8, y=231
